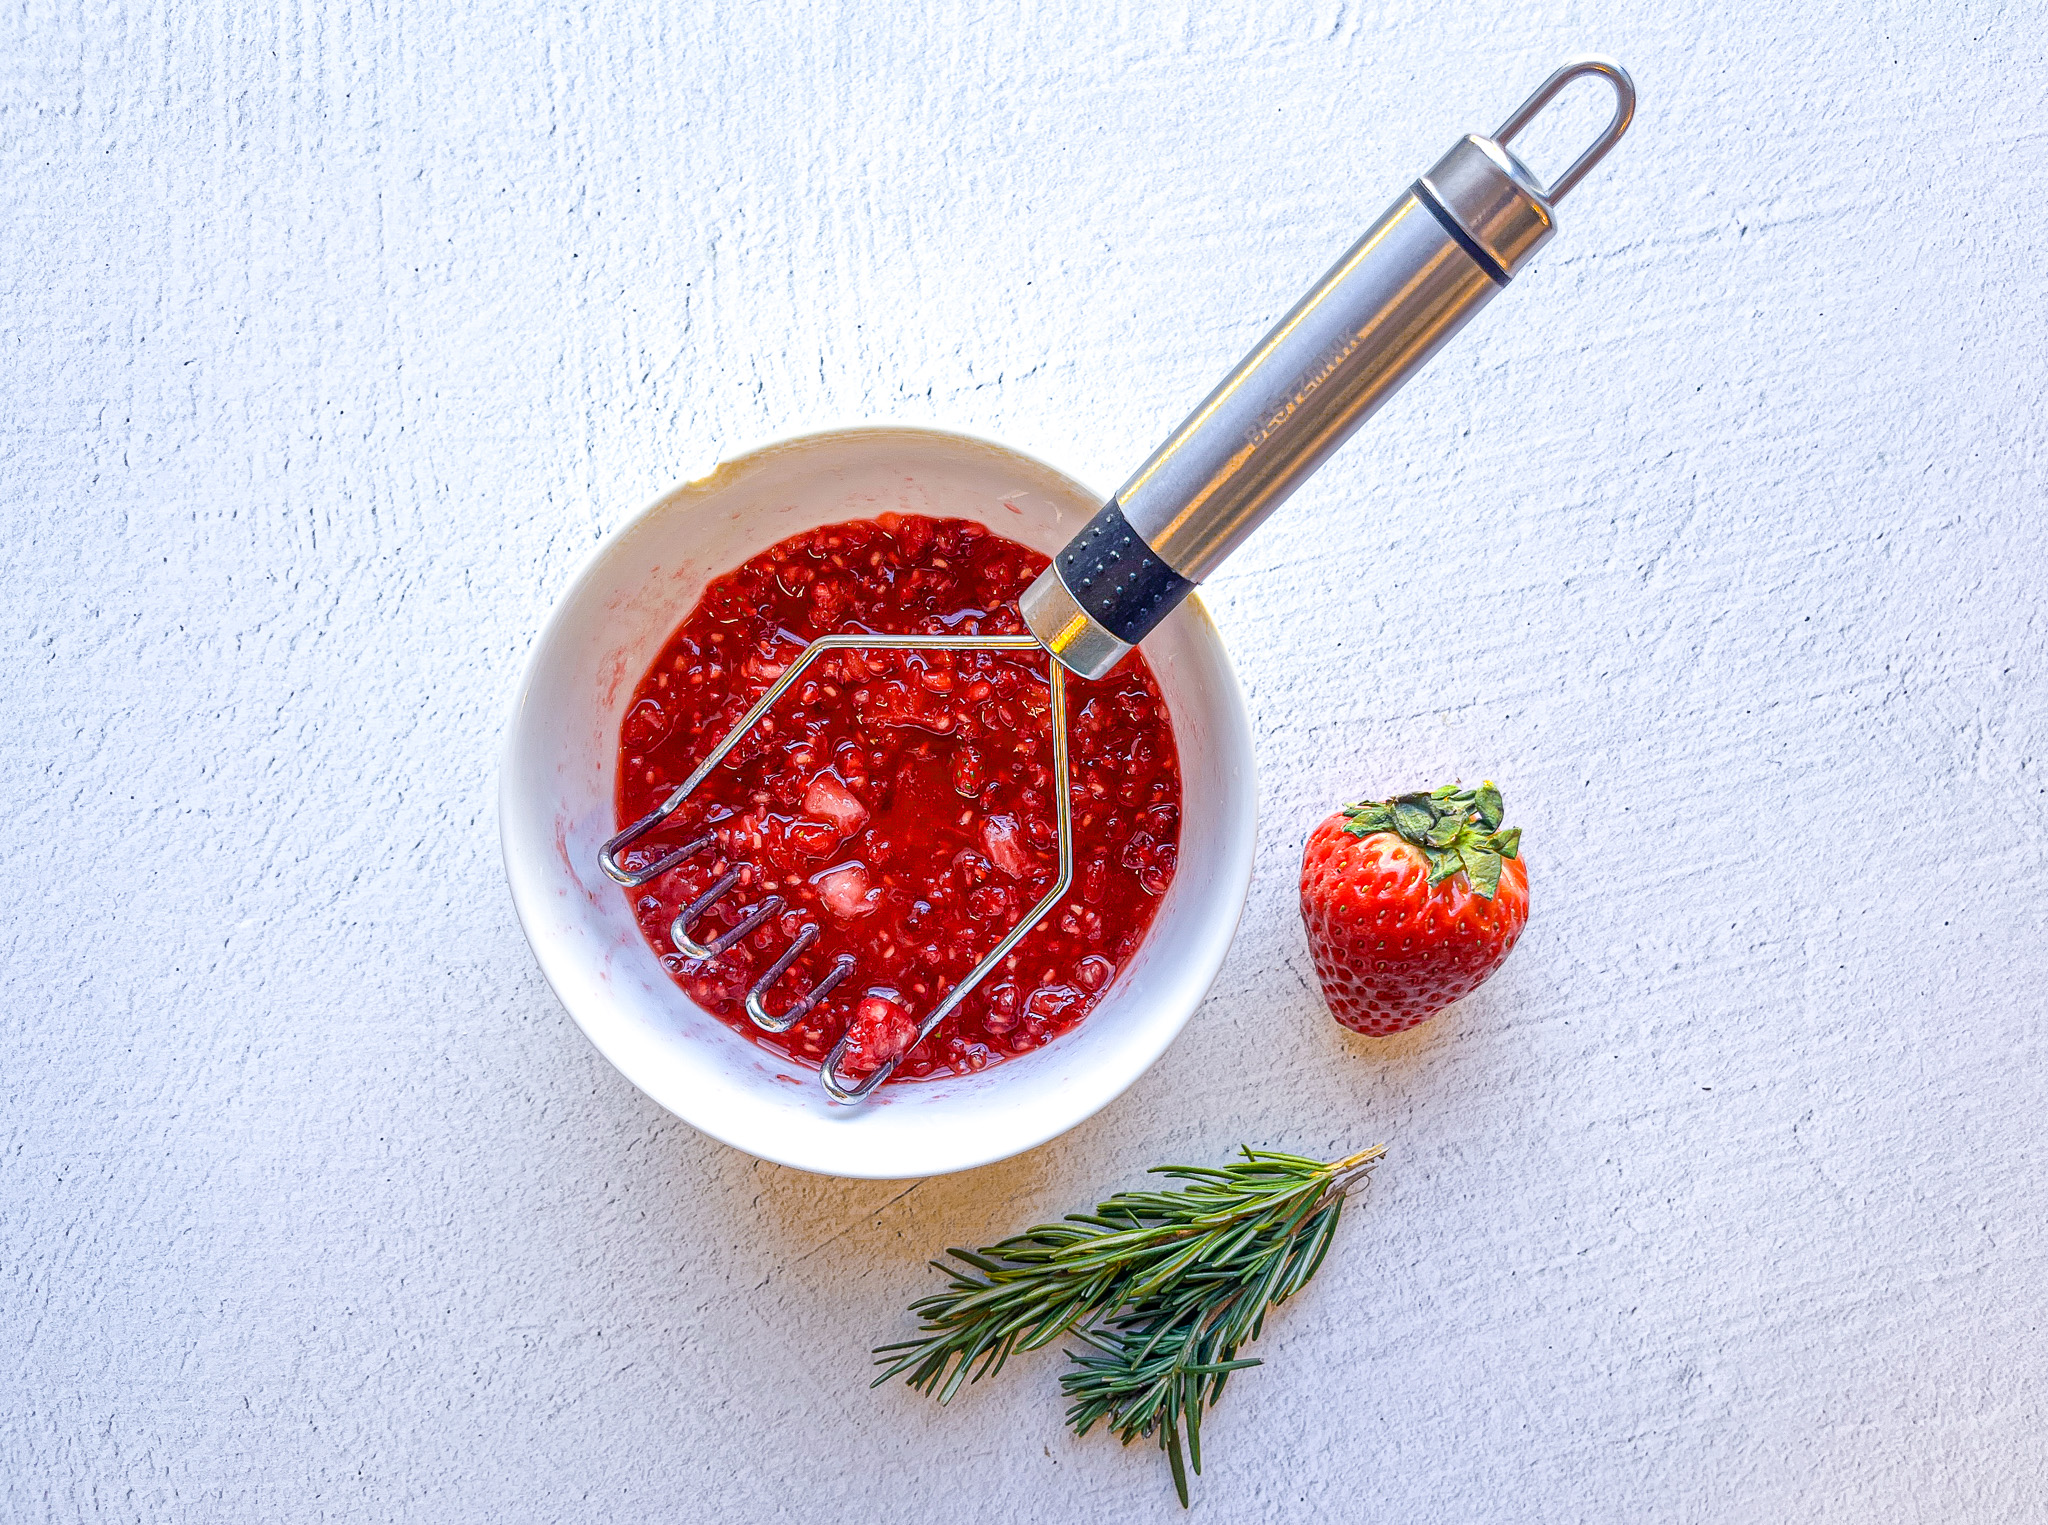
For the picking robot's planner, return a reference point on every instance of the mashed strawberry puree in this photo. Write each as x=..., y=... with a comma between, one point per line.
x=901, y=801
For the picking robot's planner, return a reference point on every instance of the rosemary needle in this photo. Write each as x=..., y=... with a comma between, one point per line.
x=1161, y=1288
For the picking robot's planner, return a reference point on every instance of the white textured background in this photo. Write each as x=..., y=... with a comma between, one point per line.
x=335, y=336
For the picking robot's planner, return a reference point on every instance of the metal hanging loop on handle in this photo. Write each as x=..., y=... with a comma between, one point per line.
x=1624, y=113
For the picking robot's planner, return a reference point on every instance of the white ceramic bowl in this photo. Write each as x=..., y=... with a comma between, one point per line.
x=555, y=808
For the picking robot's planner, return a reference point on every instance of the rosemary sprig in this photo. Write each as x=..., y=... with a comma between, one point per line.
x=1163, y=1287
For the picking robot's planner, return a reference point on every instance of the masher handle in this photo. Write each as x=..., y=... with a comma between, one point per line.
x=1440, y=253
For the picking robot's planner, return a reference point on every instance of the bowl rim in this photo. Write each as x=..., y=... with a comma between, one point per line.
x=1230, y=700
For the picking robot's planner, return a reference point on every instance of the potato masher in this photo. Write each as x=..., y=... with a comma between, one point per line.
x=1444, y=249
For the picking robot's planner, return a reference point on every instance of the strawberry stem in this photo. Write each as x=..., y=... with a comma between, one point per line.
x=1457, y=830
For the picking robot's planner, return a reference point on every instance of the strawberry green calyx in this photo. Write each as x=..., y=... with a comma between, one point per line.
x=1455, y=828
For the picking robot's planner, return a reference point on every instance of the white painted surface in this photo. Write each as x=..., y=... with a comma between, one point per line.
x=336, y=335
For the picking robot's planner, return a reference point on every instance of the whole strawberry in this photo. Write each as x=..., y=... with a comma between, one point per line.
x=1411, y=903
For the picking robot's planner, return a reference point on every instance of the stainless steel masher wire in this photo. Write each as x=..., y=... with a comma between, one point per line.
x=757, y=995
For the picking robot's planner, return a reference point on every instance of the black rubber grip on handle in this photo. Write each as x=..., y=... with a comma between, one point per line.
x=1119, y=579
